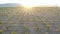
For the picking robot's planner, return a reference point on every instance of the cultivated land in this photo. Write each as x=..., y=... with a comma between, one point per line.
x=37, y=20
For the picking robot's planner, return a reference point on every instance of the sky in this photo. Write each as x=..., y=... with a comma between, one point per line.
x=33, y=2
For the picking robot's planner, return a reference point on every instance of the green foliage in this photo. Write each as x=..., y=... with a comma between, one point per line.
x=45, y=24
x=48, y=27
x=13, y=32
x=7, y=27
x=21, y=20
x=1, y=32
x=10, y=23
x=1, y=22
x=37, y=27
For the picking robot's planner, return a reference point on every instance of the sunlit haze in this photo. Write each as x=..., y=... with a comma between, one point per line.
x=30, y=3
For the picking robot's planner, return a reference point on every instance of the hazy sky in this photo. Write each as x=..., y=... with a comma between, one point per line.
x=33, y=2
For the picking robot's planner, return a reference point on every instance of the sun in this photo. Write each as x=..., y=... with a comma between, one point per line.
x=27, y=7
x=27, y=4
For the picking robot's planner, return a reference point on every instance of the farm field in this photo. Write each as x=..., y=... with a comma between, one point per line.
x=36, y=20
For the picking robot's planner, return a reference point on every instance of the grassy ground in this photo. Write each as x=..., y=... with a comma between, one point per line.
x=38, y=20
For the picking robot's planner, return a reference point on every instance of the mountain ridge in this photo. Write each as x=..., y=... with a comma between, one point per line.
x=10, y=5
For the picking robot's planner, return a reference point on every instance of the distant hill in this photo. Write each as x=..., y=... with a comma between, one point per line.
x=10, y=5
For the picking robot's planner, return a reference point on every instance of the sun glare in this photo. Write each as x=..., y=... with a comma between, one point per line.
x=27, y=4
